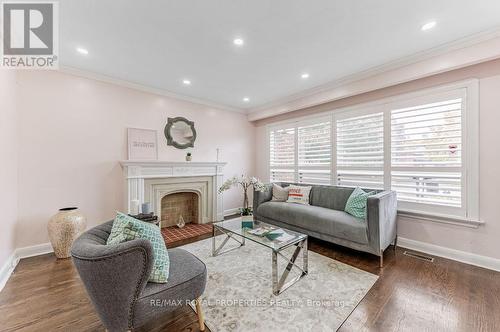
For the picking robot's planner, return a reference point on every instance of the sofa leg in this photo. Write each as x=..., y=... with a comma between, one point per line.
x=199, y=312
x=381, y=258
x=395, y=243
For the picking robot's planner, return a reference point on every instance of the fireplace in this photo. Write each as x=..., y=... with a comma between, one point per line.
x=177, y=205
x=164, y=183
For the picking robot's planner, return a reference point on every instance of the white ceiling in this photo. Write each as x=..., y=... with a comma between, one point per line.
x=159, y=43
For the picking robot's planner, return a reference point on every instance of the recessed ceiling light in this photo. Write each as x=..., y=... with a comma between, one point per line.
x=82, y=50
x=246, y=99
x=238, y=42
x=428, y=25
x=186, y=82
x=304, y=75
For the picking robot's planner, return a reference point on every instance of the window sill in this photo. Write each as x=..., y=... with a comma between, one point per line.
x=443, y=219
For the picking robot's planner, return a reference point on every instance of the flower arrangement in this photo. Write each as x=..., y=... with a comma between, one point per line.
x=245, y=182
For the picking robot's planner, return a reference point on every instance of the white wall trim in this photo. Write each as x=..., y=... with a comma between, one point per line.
x=470, y=50
x=230, y=212
x=431, y=249
x=462, y=53
x=471, y=84
x=45, y=248
x=453, y=254
x=437, y=218
x=147, y=89
x=18, y=254
x=7, y=269
x=36, y=250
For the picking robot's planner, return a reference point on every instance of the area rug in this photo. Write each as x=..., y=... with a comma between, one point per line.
x=238, y=295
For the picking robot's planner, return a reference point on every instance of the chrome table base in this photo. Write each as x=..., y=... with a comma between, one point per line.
x=280, y=283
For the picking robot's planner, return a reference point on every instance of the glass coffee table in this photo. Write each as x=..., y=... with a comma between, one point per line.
x=240, y=230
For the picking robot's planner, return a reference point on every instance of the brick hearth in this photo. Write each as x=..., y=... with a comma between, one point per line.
x=173, y=234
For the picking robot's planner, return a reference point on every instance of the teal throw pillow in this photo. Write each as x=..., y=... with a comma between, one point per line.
x=126, y=228
x=356, y=203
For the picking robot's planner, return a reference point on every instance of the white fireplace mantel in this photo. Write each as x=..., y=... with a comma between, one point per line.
x=138, y=187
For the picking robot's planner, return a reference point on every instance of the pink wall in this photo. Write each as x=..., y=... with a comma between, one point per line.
x=483, y=240
x=8, y=161
x=72, y=135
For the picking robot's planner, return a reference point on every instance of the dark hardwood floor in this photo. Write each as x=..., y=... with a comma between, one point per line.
x=45, y=294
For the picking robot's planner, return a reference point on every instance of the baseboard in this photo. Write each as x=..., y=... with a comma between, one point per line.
x=19, y=253
x=453, y=254
x=39, y=249
x=431, y=249
x=7, y=269
x=231, y=212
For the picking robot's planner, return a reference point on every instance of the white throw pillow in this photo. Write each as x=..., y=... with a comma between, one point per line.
x=280, y=194
x=298, y=194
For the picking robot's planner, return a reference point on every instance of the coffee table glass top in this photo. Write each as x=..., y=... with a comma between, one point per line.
x=239, y=227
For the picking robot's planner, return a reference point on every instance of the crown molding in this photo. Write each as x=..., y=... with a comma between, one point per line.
x=345, y=87
x=144, y=88
x=470, y=50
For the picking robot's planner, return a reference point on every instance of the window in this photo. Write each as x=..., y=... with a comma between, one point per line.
x=426, y=155
x=301, y=152
x=360, y=151
x=423, y=145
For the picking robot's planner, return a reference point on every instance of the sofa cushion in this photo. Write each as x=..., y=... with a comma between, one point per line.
x=280, y=194
x=356, y=204
x=318, y=219
x=330, y=197
x=298, y=194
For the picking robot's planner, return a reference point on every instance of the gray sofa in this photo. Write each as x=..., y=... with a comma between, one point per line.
x=325, y=218
x=116, y=279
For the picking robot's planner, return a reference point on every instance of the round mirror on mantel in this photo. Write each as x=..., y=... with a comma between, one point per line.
x=180, y=133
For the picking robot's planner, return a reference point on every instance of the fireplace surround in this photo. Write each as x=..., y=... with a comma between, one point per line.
x=152, y=181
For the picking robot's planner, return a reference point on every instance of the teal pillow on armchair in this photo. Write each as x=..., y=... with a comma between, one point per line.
x=356, y=203
x=126, y=228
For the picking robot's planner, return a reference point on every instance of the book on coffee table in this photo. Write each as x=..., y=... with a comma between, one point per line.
x=261, y=231
x=273, y=234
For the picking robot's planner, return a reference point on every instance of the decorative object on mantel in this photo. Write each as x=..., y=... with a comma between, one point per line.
x=142, y=144
x=146, y=208
x=134, y=206
x=180, y=133
x=64, y=227
x=245, y=182
x=181, y=223
x=189, y=157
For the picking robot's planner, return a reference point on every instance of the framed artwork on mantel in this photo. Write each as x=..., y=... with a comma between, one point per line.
x=142, y=144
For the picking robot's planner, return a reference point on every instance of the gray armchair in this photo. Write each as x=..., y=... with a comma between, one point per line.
x=116, y=279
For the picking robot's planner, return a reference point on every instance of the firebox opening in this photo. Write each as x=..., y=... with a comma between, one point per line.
x=175, y=205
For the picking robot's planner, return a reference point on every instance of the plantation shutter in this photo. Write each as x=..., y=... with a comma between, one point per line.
x=426, y=153
x=314, y=153
x=360, y=151
x=422, y=146
x=282, y=154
